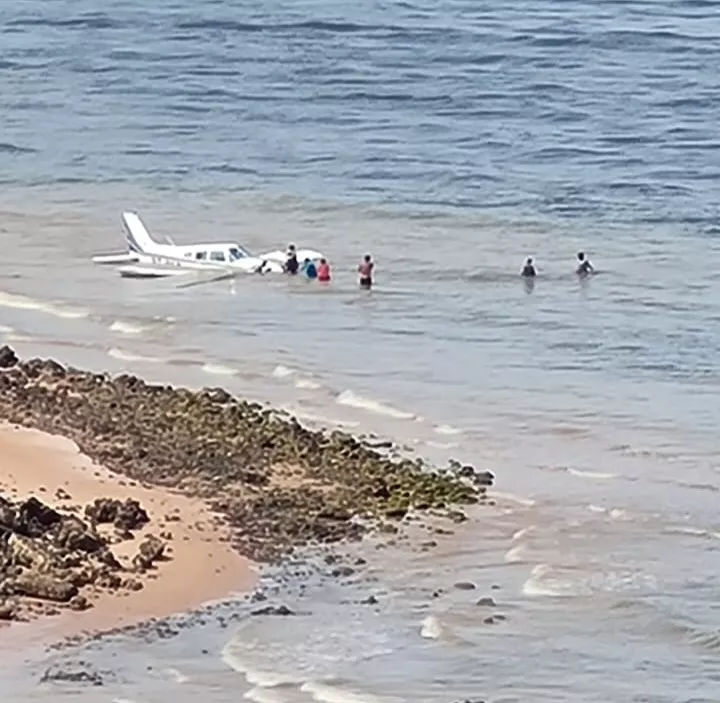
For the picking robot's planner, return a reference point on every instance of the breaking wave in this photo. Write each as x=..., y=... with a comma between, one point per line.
x=353, y=400
x=121, y=355
x=219, y=370
x=22, y=302
x=128, y=328
x=590, y=474
x=447, y=430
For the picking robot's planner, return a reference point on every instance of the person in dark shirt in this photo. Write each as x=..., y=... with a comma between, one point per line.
x=585, y=268
x=291, y=263
x=529, y=269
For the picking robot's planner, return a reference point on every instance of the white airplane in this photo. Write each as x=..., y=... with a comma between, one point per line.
x=146, y=258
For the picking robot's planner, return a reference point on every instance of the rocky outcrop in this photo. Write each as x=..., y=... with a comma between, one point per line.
x=44, y=586
x=46, y=555
x=7, y=610
x=279, y=485
x=151, y=550
x=73, y=535
x=124, y=515
x=273, y=610
x=8, y=357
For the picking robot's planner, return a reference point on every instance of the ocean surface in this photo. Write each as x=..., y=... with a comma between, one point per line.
x=450, y=139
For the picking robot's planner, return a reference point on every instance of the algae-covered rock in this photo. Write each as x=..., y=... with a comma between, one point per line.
x=278, y=483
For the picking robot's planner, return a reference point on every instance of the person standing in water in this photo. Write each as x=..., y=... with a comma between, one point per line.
x=323, y=272
x=365, y=269
x=309, y=269
x=529, y=269
x=585, y=268
x=291, y=263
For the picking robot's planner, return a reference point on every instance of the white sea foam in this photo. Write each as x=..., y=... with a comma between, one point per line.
x=544, y=582
x=306, y=384
x=321, y=419
x=122, y=355
x=687, y=530
x=22, y=302
x=219, y=370
x=447, y=430
x=550, y=581
x=353, y=400
x=523, y=532
x=255, y=677
x=177, y=675
x=441, y=445
x=128, y=328
x=596, y=509
x=16, y=337
x=590, y=474
x=516, y=554
x=431, y=628
x=69, y=313
x=265, y=695
x=327, y=693
x=511, y=497
x=281, y=371
x=4, y=329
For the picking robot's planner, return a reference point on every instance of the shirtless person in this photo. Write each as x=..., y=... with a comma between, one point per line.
x=365, y=269
x=585, y=268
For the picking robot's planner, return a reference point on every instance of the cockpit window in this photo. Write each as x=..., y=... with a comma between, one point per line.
x=201, y=255
x=217, y=256
x=237, y=253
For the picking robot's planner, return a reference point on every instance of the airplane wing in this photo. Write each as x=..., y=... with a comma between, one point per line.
x=224, y=276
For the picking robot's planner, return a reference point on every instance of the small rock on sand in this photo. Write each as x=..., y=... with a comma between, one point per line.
x=465, y=586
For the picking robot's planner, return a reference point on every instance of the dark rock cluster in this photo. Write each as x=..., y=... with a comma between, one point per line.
x=278, y=484
x=49, y=560
x=124, y=515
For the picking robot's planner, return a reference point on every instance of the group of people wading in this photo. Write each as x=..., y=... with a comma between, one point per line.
x=321, y=272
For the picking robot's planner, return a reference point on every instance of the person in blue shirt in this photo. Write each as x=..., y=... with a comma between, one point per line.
x=309, y=269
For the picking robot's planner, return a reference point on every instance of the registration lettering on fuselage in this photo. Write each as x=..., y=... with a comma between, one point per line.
x=163, y=261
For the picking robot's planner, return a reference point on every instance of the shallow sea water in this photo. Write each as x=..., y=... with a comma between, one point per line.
x=451, y=140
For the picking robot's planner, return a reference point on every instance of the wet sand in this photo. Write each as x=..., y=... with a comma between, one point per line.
x=202, y=565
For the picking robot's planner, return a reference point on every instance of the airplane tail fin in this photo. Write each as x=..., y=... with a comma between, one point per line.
x=137, y=237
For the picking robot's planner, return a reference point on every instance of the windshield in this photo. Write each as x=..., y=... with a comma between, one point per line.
x=237, y=252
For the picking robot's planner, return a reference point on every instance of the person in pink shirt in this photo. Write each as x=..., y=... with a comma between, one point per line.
x=323, y=272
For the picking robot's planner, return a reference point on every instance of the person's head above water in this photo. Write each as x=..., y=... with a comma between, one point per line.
x=323, y=261
x=529, y=261
x=291, y=248
x=581, y=256
x=367, y=258
x=307, y=260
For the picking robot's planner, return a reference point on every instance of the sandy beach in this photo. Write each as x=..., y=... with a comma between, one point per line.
x=202, y=566
x=123, y=501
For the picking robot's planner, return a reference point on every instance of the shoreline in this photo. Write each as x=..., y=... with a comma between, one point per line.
x=262, y=484
x=200, y=567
